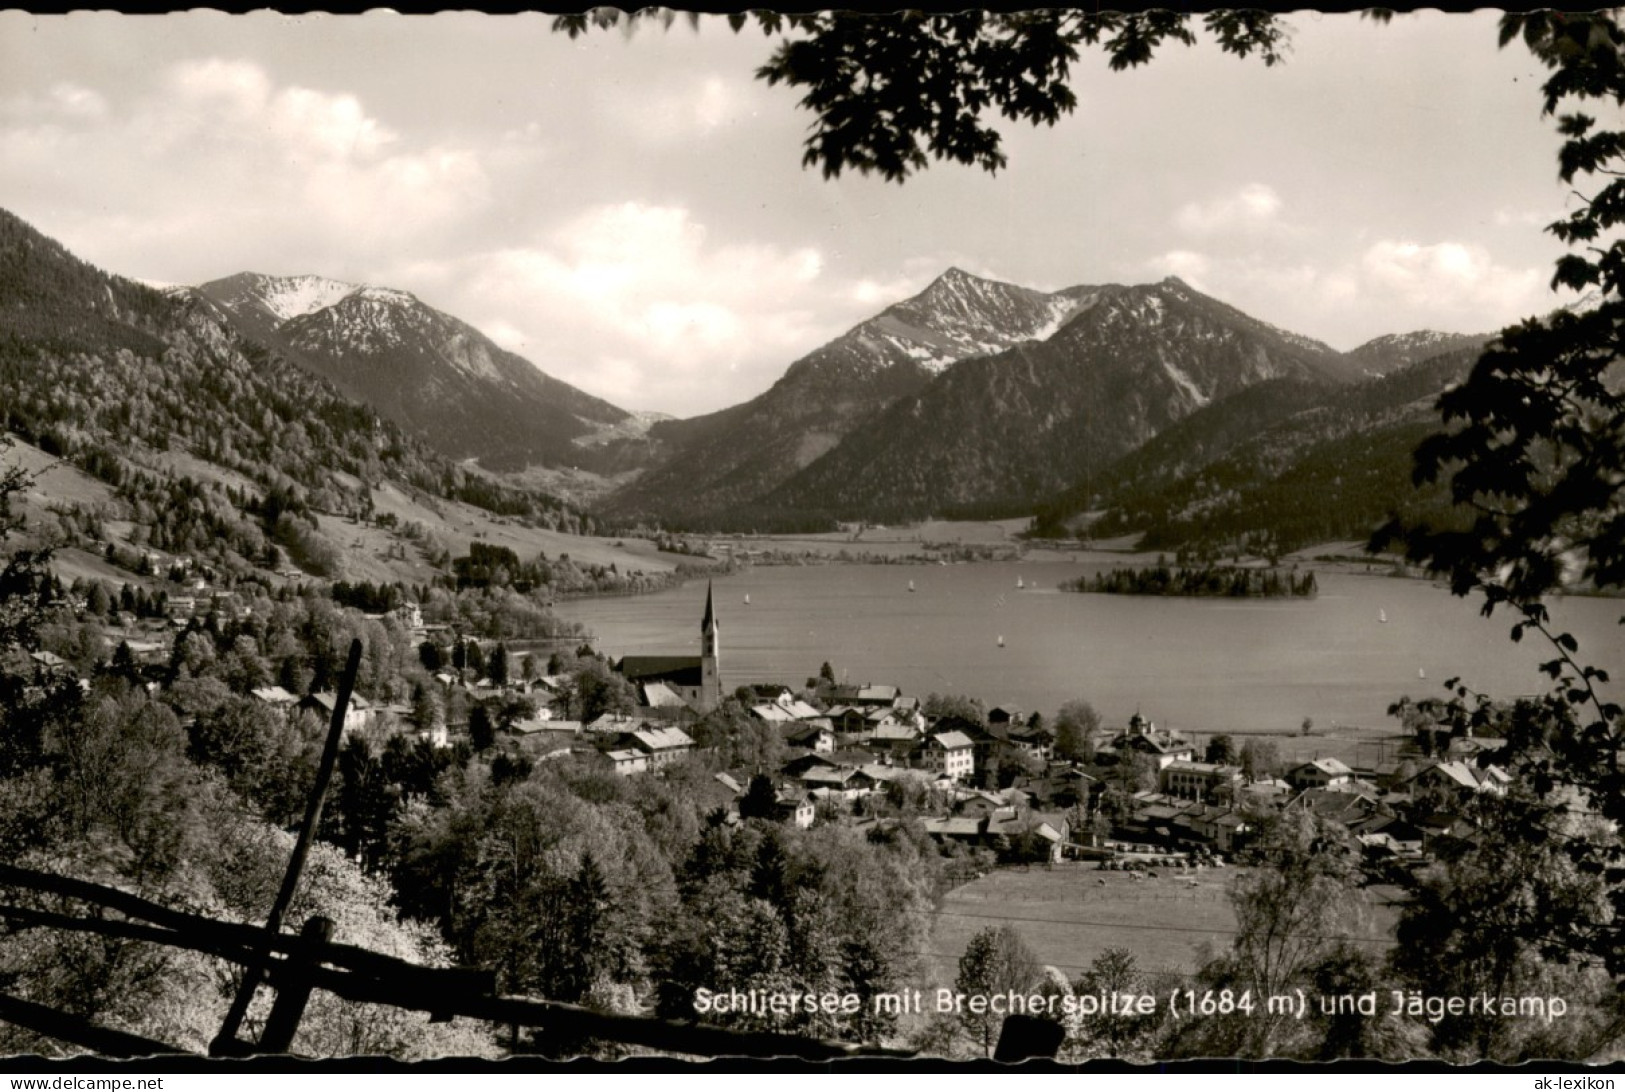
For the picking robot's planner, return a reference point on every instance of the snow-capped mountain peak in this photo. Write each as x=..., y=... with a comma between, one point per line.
x=292, y=297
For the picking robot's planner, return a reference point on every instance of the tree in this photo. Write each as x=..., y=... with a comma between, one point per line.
x=1533, y=448
x=1292, y=914
x=482, y=732
x=1260, y=758
x=943, y=706
x=760, y=800
x=1112, y=973
x=892, y=92
x=595, y=690
x=996, y=961
x=1221, y=749
x=1497, y=917
x=1077, y=730
x=496, y=665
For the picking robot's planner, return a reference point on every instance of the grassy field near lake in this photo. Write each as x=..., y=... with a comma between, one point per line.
x=1072, y=912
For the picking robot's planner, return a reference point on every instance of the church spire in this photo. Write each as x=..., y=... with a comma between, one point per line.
x=710, y=665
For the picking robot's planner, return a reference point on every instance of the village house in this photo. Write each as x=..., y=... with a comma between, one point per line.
x=358, y=715
x=614, y=722
x=1035, y=742
x=814, y=738
x=1448, y=783
x=1005, y=716
x=808, y=760
x=850, y=721
x=626, y=761
x=276, y=697
x=966, y=830
x=663, y=745
x=794, y=806
x=1196, y=780
x=951, y=754
x=543, y=735
x=1028, y=837
x=894, y=740
x=1220, y=828
x=1161, y=744
x=867, y=697
x=843, y=783
x=772, y=713
x=1322, y=773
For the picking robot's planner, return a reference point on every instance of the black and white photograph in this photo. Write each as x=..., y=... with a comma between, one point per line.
x=1053, y=537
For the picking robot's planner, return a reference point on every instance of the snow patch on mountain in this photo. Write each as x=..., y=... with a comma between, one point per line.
x=292, y=297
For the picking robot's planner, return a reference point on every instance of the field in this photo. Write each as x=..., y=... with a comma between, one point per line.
x=1072, y=912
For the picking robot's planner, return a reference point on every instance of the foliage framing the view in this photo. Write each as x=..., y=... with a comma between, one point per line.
x=894, y=91
x=1534, y=446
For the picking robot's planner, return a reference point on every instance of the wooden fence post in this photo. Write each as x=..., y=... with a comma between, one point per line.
x=1023, y=1037
x=293, y=987
x=225, y=1041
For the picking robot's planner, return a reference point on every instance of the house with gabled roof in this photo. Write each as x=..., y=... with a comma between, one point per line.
x=626, y=761
x=951, y=754
x=276, y=697
x=1319, y=774
x=663, y=745
x=1032, y=741
x=867, y=696
x=894, y=740
x=815, y=738
x=1007, y=715
x=358, y=713
x=1456, y=781
x=772, y=713
x=794, y=806
x=1162, y=744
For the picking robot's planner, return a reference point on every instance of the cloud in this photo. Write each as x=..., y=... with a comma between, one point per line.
x=1448, y=277
x=689, y=109
x=637, y=303
x=1187, y=265
x=217, y=149
x=1388, y=286
x=1252, y=205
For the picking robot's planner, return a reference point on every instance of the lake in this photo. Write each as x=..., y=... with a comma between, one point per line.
x=1199, y=665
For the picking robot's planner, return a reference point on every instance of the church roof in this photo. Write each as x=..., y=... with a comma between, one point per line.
x=710, y=618
x=682, y=670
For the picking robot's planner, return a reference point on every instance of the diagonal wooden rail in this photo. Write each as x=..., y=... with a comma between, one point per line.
x=358, y=974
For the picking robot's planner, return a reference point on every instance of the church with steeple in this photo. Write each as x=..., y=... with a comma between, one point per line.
x=695, y=681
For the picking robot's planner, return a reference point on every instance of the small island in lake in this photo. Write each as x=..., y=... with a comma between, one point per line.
x=1209, y=582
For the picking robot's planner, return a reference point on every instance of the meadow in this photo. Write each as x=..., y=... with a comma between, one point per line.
x=1071, y=912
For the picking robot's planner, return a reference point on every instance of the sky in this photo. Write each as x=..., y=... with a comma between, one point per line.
x=630, y=212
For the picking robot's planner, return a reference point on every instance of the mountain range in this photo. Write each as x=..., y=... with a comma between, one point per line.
x=1153, y=407
x=419, y=367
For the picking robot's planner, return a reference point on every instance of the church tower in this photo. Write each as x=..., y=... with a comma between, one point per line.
x=710, y=670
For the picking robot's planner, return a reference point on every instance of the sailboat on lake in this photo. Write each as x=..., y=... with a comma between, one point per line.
x=1382, y=616
x=911, y=585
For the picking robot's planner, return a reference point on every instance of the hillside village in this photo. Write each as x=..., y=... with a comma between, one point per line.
x=999, y=780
